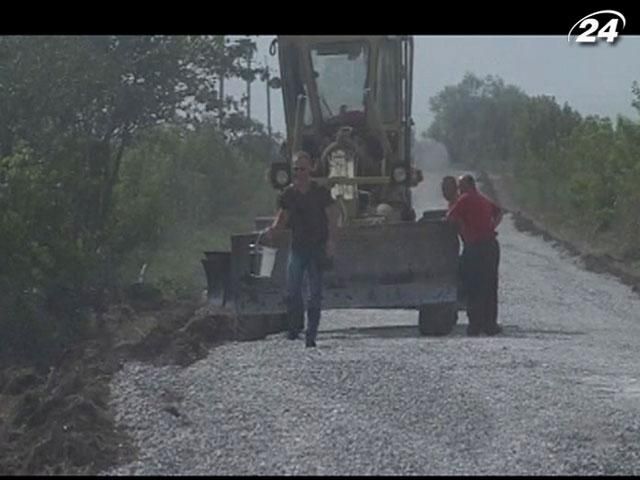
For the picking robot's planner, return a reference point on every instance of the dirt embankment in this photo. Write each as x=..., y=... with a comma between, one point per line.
x=59, y=422
x=500, y=188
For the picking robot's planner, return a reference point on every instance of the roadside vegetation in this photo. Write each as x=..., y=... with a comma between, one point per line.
x=578, y=174
x=116, y=152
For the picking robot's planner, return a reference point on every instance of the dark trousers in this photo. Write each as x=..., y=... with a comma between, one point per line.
x=301, y=262
x=479, y=264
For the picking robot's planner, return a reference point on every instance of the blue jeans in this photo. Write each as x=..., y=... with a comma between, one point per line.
x=299, y=263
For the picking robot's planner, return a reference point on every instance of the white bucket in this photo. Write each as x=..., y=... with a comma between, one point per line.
x=267, y=260
x=263, y=258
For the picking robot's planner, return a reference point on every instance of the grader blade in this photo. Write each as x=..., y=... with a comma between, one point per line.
x=402, y=265
x=398, y=265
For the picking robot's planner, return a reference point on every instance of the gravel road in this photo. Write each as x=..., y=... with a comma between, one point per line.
x=557, y=393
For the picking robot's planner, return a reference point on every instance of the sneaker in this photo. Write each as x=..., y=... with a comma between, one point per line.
x=310, y=343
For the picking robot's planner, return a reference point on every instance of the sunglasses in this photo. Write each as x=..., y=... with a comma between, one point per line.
x=299, y=169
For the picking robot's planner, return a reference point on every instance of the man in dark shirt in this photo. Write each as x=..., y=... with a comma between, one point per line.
x=477, y=218
x=309, y=210
x=449, y=187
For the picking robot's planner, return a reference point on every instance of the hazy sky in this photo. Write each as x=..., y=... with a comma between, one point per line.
x=592, y=79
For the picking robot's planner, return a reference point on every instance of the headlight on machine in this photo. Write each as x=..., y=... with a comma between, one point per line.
x=282, y=178
x=280, y=175
x=399, y=174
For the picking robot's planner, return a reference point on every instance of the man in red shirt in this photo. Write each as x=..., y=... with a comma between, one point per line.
x=477, y=218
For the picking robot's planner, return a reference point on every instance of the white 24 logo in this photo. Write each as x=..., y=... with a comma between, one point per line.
x=609, y=31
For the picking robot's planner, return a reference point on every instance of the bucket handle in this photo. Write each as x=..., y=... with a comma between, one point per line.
x=260, y=235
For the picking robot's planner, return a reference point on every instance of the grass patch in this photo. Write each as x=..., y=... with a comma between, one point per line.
x=175, y=266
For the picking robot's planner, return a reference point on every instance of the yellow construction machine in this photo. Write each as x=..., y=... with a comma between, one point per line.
x=347, y=102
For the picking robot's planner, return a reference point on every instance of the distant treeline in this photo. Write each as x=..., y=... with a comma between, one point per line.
x=106, y=144
x=585, y=170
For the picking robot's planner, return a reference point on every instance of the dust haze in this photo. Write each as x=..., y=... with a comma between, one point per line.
x=593, y=80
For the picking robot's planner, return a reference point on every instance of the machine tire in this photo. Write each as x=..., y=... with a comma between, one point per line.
x=437, y=319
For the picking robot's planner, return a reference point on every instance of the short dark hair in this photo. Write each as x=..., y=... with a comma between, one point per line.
x=302, y=154
x=468, y=178
x=449, y=179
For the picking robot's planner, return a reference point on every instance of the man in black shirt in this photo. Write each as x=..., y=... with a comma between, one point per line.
x=309, y=210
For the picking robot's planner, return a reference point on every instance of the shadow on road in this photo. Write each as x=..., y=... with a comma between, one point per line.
x=396, y=331
x=411, y=331
x=516, y=331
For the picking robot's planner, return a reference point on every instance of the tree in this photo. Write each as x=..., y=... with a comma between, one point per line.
x=475, y=119
x=93, y=94
x=71, y=108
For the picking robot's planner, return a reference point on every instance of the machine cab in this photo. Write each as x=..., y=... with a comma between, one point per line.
x=358, y=87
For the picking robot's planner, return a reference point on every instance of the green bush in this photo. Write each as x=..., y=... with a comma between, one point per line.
x=183, y=192
x=103, y=153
